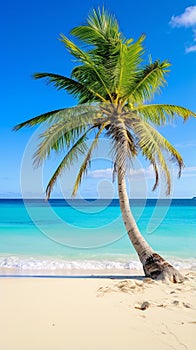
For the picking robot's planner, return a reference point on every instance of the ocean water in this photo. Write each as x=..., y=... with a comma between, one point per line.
x=59, y=237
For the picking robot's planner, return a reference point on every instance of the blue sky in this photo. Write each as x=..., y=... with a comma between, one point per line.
x=29, y=43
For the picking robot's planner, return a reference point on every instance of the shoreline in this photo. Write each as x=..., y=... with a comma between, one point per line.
x=80, y=273
x=72, y=273
x=47, y=265
x=97, y=313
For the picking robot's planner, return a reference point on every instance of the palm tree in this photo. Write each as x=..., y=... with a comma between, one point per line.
x=114, y=90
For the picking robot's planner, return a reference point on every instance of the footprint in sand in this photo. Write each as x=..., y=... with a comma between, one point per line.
x=123, y=286
x=143, y=306
x=179, y=303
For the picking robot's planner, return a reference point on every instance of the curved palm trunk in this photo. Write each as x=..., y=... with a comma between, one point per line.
x=153, y=264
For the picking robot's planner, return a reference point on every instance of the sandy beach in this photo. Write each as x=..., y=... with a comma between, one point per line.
x=97, y=313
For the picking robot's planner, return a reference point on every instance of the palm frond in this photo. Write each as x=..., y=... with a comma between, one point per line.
x=62, y=134
x=152, y=151
x=86, y=59
x=55, y=138
x=159, y=114
x=88, y=34
x=153, y=162
x=149, y=81
x=87, y=74
x=129, y=59
x=82, y=91
x=79, y=148
x=132, y=144
x=85, y=164
x=42, y=118
x=104, y=22
x=101, y=27
x=104, y=39
x=152, y=145
x=59, y=115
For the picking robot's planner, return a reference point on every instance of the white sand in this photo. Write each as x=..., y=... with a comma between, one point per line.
x=97, y=314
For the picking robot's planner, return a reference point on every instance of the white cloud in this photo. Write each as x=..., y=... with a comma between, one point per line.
x=138, y=174
x=101, y=173
x=190, y=49
x=189, y=171
x=141, y=173
x=186, y=19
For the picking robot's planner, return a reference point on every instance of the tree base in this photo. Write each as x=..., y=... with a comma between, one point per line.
x=157, y=268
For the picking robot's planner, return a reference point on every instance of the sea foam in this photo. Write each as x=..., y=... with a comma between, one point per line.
x=48, y=264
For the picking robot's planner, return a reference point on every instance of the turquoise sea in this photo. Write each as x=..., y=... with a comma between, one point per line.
x=62, y=236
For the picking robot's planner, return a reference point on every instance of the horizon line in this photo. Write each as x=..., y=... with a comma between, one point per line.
x=93, y=198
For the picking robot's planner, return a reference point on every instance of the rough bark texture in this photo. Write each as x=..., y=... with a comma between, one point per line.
x=158, y=268
x=154, y=265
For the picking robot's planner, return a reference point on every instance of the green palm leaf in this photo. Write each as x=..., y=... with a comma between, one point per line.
x=84, y=57
x=86, y=162
x=149, y=81
x=48, y=117
x=79, y=148
x=104, y=22
x=87, y=74
x=100, y=29
x=152, y=145
x=129, y=58
x=79, y=114
x=55, y=138
x=62, y=134
x=159, y=114
x=82, y=91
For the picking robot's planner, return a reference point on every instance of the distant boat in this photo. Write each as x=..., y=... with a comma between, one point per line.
x=194, y=198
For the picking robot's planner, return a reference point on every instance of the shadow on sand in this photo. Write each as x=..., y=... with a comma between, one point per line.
x=115, y=277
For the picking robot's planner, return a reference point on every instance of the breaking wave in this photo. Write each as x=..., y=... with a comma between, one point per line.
x=26, y=264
